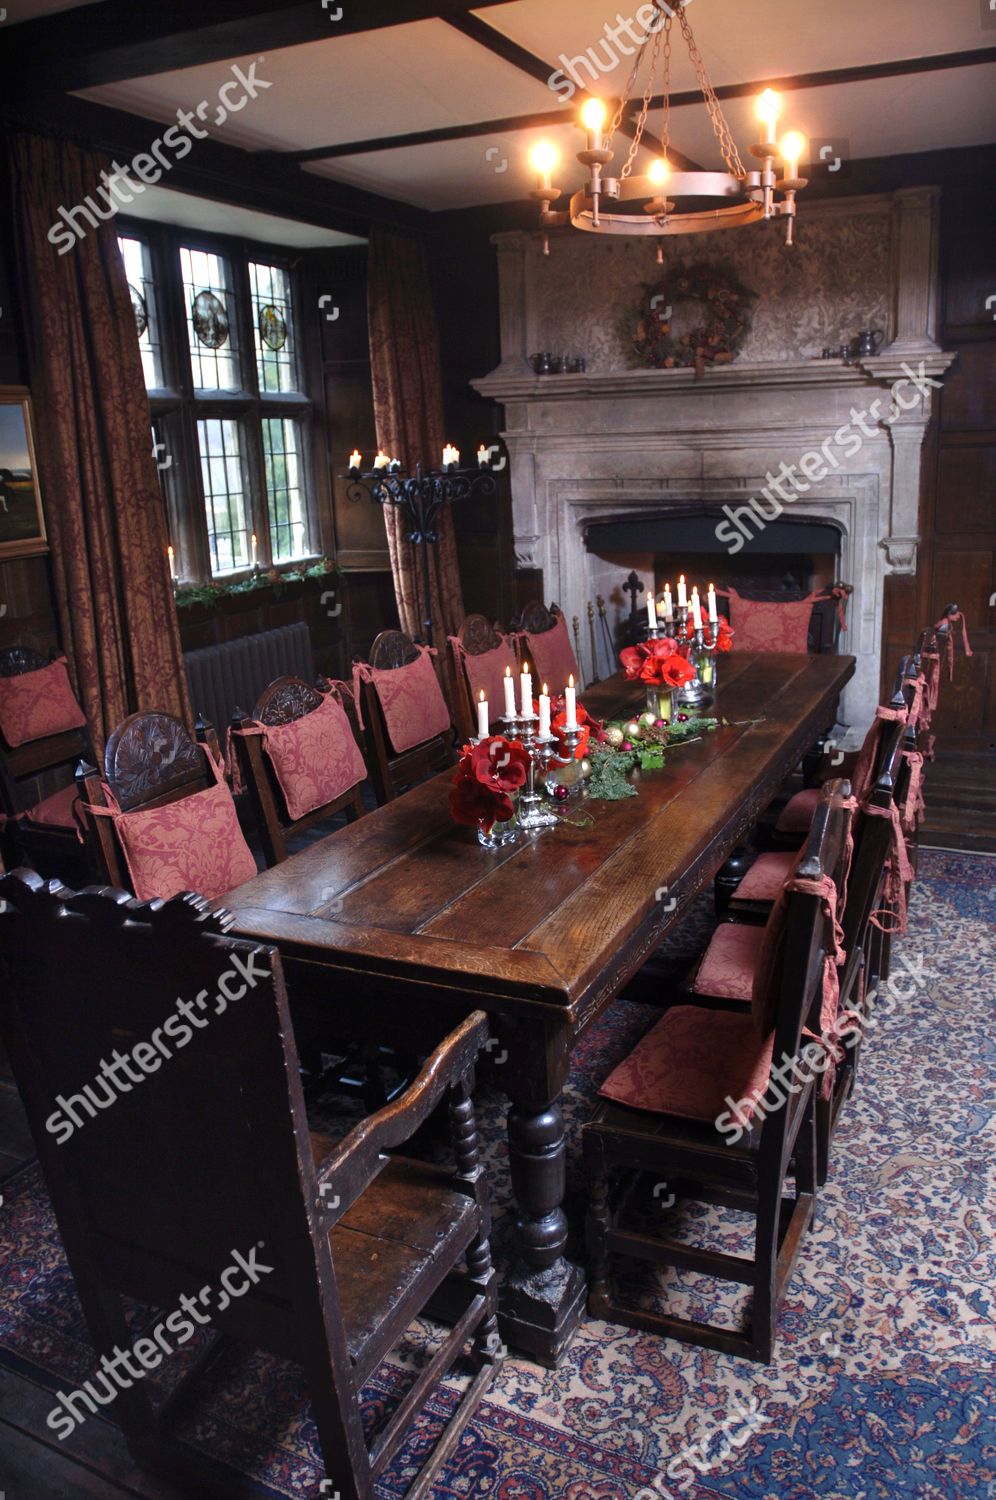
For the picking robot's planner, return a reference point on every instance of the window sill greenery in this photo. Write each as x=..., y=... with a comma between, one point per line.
x=210, y=595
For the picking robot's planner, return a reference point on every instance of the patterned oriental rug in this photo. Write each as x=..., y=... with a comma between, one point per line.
x=883, y=1375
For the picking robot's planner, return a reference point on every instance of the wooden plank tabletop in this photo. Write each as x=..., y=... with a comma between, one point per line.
x=405, y=892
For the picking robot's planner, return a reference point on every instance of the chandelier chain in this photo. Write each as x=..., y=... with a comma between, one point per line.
x=648, y=94
x=727, y=144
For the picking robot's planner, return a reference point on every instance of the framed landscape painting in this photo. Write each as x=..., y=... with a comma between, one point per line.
x=22, y=525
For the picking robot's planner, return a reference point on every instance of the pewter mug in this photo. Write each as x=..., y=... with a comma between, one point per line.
x=869, y=341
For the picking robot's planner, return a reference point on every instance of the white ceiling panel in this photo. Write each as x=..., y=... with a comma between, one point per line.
x=362, y=87
x=164, y=206
x=454, y=174
x=741, y=42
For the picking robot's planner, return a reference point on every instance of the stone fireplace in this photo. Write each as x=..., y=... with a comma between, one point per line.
x=622, y=442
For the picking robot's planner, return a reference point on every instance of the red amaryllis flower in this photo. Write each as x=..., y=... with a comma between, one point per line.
x=588, y=726
x=675, y=672
x=484, y=778
x=631, y=659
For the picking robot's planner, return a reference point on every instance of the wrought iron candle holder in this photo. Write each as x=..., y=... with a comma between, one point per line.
x=421, y=497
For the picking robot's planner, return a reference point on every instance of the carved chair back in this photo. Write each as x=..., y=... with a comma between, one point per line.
x=166, y=1175
x=285, y=701
x=390, y=772
x=478, y=636
x=150, y=760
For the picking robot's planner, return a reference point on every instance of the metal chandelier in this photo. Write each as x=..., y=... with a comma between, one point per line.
x=745, y=197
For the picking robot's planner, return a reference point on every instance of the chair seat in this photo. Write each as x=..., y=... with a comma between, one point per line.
x=797, y=814
x=402, y=1235
x=690, y=1062
x=729, y=963
x=56, y=811
x=766, y=876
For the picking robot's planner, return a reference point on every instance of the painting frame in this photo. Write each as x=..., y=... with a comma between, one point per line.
x=22, y=519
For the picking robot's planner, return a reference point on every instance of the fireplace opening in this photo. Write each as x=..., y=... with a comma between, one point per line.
x=789, y=558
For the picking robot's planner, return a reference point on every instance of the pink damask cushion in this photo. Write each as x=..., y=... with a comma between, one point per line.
x=690, y=1061
x=487, y=673
x=766, y=876
x=551, y=657
x=762, y=626
x=56, y=811
x=412, y=702
x=797, y=814
x=194, y=844
x=315, y=759
x=727, y=969
x=37, y=704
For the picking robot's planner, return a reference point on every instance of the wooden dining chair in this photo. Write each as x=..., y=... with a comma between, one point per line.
x=688, y=1109
x=41, y=829
x=543, y=641
x=395, y=713
x=308, y=758
x=481, y=652
x=145, y=838
x=202, y=1181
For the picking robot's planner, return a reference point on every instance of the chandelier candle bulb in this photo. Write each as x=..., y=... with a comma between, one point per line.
x=482, y=717
x=509, y=686
x=682, y=594
x=696, y=610
x=769, y=107
x=571, y=704
x=651, y=610
x=711, y=596
x=526, y=692
x=544, y=712
x=593, y=114
x=545, y=158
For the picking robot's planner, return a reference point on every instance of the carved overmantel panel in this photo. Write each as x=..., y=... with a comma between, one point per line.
x=622, y=434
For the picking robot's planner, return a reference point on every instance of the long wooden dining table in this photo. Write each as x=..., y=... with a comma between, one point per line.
x=401, y=921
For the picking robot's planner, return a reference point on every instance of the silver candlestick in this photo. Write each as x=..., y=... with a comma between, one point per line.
x=539, y=748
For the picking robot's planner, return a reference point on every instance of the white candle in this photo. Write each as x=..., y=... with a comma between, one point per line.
x=172, y=565
x=355, y=459
x=482, y=457
x=253, y=540
x=526, y=692
x=382, y=460
x=713, y=616
x=509, y=686
x=682, y=596
x=571, y=700
x=668, y=605
x=696, y=610
x=482, y=717
x=651, y=611
x=544, y=711
x=451, y=455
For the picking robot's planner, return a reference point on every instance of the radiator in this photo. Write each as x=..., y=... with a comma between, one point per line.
x=223, y=678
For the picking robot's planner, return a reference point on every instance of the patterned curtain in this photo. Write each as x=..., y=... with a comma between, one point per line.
x=94, y=440
x=408, y=408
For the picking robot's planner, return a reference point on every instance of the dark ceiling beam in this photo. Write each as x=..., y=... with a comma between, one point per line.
x=224, y=173
x=121, y=39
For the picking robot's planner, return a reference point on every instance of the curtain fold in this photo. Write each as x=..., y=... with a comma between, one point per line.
x=408, y=410
x=94, y=442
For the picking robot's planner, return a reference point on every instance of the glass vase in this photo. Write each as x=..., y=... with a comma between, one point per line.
x=500, y=833
x=659, y=702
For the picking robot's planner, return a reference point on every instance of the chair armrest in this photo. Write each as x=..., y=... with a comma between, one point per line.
x=357, y=1159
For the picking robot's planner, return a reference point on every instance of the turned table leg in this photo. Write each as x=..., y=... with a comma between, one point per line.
x=543, y=1297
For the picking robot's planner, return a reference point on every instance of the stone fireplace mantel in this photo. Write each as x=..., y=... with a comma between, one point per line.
x=621, y=439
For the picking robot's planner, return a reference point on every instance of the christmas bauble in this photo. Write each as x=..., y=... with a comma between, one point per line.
x=615, y=737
